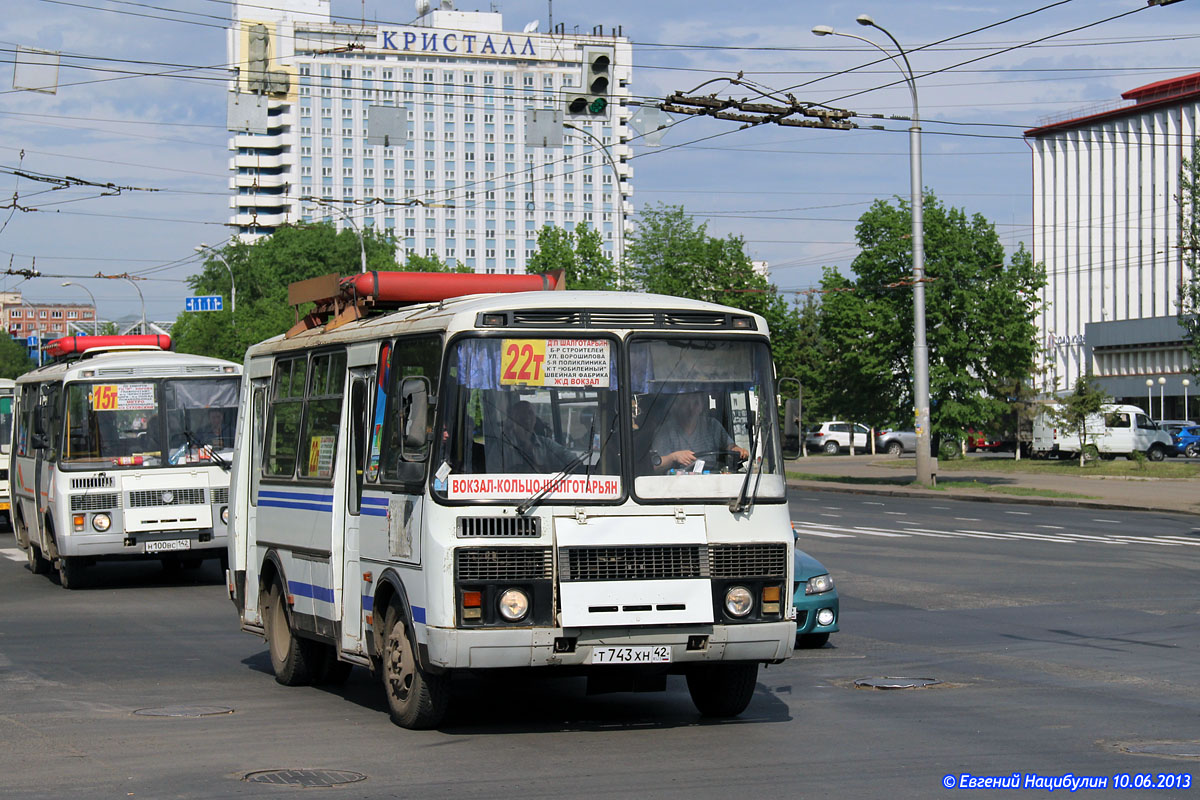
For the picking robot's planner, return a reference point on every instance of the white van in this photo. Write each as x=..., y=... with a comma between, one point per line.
x=1118, y=430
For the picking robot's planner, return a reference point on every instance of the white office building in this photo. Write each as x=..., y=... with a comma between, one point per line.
x=1106, y=225
x=461, y=183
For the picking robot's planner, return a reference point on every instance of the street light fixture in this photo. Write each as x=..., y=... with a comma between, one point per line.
x=95, y=306
x=201, y=248
x=925, y=461
x=133, y=283
x=1162, y=399
x=618, y=251
x=1186, y=384
x=1149, y=401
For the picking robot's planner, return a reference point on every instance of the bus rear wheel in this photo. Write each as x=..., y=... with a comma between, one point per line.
x=722, y=690
x=415, y=699
x=70, y=572
x=292, y=658
x=38, y=564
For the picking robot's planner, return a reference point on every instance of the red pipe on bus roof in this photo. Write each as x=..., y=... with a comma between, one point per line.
x=74, y=345
x=427, y=287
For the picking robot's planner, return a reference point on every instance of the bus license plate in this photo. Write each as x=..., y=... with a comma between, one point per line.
x=168, y=545
x=660, y=654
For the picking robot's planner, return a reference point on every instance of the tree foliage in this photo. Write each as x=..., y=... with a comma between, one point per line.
x=1189, y=243
x=579, y=253
x=263, y=269
x=1083, y=402
x=979, y=315
x=14, y=359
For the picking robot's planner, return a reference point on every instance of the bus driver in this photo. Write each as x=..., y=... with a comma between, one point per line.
x=689, y=433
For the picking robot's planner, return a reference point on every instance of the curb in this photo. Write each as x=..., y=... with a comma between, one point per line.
x=978, y=498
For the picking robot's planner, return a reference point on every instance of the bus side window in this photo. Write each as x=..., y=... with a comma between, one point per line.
x=322, y=415
x=283, y=427
x=418, y=357
x=257, y=421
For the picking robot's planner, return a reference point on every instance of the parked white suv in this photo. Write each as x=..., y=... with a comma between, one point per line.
x=834, y=437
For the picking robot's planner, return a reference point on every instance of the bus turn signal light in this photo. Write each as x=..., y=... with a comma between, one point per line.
x=770, y=599
x=472, y=605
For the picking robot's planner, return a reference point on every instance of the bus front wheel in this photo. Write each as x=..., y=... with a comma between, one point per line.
x=292, y=657
x=70, y=572
x=415, y=699
x=722, y=690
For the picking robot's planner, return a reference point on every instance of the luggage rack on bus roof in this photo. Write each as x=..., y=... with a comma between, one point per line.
x=337, y=300
x=86, y=346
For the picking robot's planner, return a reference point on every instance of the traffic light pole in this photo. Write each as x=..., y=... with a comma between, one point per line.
x=619, y=247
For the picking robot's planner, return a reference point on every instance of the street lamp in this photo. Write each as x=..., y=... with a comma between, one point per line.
x=1149, y=401
x=140, y=297
x=925, y=460
x=362, y=247
x=95, y=306
x=619, y=251
x=1186, y=384
x=202, y=247
x=1162, y=400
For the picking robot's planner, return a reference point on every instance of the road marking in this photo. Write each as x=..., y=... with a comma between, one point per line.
x=1179, y=540
x=832, y=508
x=1053, y=527
x=830, y=534
x=832, y=515
x=870, y=503
x=987, y=535
x=1042, y=537
x=966, y=519
x=897, y=513
x=1019, y=513
x=1149, y=540
x=1112, y=521
x=13, y=554
x=941, y=508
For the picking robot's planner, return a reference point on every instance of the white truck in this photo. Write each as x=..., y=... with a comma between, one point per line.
x=1117, y=430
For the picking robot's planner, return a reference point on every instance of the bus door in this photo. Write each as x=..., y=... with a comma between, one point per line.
x=49, y=416
x=243, y=535
x=362, y=387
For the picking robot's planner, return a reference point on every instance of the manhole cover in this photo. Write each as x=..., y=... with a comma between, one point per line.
x=895, y=683
x=183, y=711
x=1179, y=749
x=305, y=778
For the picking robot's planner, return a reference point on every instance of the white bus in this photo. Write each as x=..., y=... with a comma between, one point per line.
x=127, y=445
x=482, y=482
x=6, y=429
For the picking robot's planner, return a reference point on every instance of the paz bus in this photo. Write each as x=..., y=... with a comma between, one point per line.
x=448, y=473
x=127, y=445
x=6, y=429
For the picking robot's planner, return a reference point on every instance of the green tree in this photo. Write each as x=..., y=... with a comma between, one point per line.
x=979, y=314
x=14, y=359
x=1086, y=400
x=1189, y=244
x=579, y=253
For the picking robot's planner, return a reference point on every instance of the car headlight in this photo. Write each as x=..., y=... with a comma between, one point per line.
x=101, y=522
x=514, y=605
x=225, y=514
x=738, y=601
x=819, y=584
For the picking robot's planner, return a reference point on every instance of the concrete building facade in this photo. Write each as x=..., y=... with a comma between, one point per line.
x=463, y=184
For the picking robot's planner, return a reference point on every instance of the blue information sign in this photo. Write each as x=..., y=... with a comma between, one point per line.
x=31, y=341
x=209, y=302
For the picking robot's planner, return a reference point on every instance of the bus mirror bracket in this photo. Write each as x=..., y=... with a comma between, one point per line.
x=415, y=394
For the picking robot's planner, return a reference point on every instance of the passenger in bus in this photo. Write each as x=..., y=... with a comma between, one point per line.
x=689, y=434
x=527, y=450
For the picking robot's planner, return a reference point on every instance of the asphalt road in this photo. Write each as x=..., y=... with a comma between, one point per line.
x=1059, y=648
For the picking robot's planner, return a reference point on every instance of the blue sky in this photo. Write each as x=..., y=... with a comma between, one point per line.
x=794, y=194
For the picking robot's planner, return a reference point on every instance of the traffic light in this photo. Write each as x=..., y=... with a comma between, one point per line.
x=593, y=97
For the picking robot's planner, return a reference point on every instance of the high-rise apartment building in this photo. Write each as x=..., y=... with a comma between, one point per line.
x=463, y=183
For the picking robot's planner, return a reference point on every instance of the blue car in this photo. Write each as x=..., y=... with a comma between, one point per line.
x=816, y=602
x=1187, y=441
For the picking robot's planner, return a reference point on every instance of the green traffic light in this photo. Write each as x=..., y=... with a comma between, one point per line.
x=598, y=105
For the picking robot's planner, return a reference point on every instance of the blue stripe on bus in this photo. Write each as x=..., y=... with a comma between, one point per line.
x=328, y=509
x=374, y=512
x=327, y=498
x=375, y=501
x=311, y=590
x=296, y=500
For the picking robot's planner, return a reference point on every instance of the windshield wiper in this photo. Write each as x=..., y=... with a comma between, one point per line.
x=741, y=503
x=212, y=452
x=537, y=497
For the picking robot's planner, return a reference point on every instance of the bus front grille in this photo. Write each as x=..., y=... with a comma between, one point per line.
x=502, y=563
x=144, y=498
x=94, y=502
x=641, y=562
x=220, y=496
x=97, y=482
x=499, y=526
x=748, y=560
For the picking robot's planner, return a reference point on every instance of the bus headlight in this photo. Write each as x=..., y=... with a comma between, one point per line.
x=738, y=601
x=819, y=584
x=225, y=514
x=101, y=522
x=514, y=605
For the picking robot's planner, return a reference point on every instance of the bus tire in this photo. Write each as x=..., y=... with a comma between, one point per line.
x=722, y=690
x=292, y=658
x=416, y=699
x=70, y=572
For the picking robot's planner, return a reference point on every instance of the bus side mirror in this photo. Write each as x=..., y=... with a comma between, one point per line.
x=791, y=428
x=414, y=393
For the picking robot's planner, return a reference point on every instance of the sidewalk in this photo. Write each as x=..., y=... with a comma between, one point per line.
x=879, y=474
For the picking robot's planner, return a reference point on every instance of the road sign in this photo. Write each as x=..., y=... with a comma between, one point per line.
x=208, y=302
x=31, y=341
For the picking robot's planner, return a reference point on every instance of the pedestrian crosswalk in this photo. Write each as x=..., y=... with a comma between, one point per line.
x=1059, y=535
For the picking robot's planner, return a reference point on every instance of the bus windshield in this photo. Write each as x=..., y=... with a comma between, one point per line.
x=121, y=424
x=527, y=415
x=6, y=421
x=704, y=414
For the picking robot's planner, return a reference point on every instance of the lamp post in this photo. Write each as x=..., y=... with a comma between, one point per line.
x=1186, y=384
x=362, y=247
x=925, y=461
x=1162, y=399
x=202, y=247
x=133, y=283
x=619, y=250
x=1149, y=401
x=95, y=307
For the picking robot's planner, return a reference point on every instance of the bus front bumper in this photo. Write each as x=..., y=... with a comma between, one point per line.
x=181, y=544
x=455, y=648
